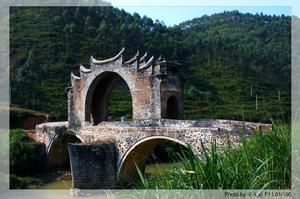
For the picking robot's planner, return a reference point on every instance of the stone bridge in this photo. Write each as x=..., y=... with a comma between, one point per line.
x=103, y=151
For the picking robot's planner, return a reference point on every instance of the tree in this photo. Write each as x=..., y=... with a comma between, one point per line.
x=23, y=155
x=72, y=28
x=27, y=75
x=77, y=13
x=222, y=54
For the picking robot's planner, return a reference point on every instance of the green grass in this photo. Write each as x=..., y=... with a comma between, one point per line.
x=262, y=162
x=160, y=168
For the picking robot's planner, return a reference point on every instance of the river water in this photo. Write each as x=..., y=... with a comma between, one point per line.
x=151, y=169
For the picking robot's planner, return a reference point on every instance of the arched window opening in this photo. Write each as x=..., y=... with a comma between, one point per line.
x=108, y=99
x=120, y=103
x=172, y=108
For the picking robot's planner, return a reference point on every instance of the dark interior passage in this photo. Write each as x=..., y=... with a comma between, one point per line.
x=172, y=108
x=58, y=156
x=152, y=151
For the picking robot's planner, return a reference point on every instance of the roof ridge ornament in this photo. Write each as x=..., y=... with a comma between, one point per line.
x=100, y=62
x=146, y=65
x=159, y=59
x=133, y=59
x=74, y=77
x=143, y=58
x=84, y=69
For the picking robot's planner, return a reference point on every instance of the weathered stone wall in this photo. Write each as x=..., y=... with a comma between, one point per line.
x=171, y=89
x=93, y=166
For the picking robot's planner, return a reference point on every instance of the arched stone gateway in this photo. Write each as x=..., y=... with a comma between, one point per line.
x=150, y=83
x=109, y=149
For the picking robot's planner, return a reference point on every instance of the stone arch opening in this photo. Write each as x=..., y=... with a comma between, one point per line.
x=138, y=155
x=58, y=155
x=173, y=107
x=98, y=96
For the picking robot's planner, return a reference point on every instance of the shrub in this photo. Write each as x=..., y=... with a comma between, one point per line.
x=17, y=182
x=26, y=156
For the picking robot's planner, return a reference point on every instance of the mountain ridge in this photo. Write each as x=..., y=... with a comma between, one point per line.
x=231, y=60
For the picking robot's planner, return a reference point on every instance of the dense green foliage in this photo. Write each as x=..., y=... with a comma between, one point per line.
x=24, y=155
x=263, y=162
x=166, y=152
x=17, y=182
x=120, y=103
x=229, y=59
x=26, y=158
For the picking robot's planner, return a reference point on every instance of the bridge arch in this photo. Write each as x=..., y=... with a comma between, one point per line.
x=138, y=154
x=58, y=155
x=98, y=93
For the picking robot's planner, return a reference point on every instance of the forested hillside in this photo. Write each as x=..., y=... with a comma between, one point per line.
x=236, y=65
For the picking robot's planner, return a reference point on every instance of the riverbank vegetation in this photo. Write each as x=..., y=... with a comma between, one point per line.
x=26, y=159
x=262, y=162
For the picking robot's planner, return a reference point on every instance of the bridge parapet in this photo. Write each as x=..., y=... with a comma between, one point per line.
x=191, y=132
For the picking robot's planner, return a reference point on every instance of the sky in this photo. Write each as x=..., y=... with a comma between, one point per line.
x=176, y=11
x=173, y=15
